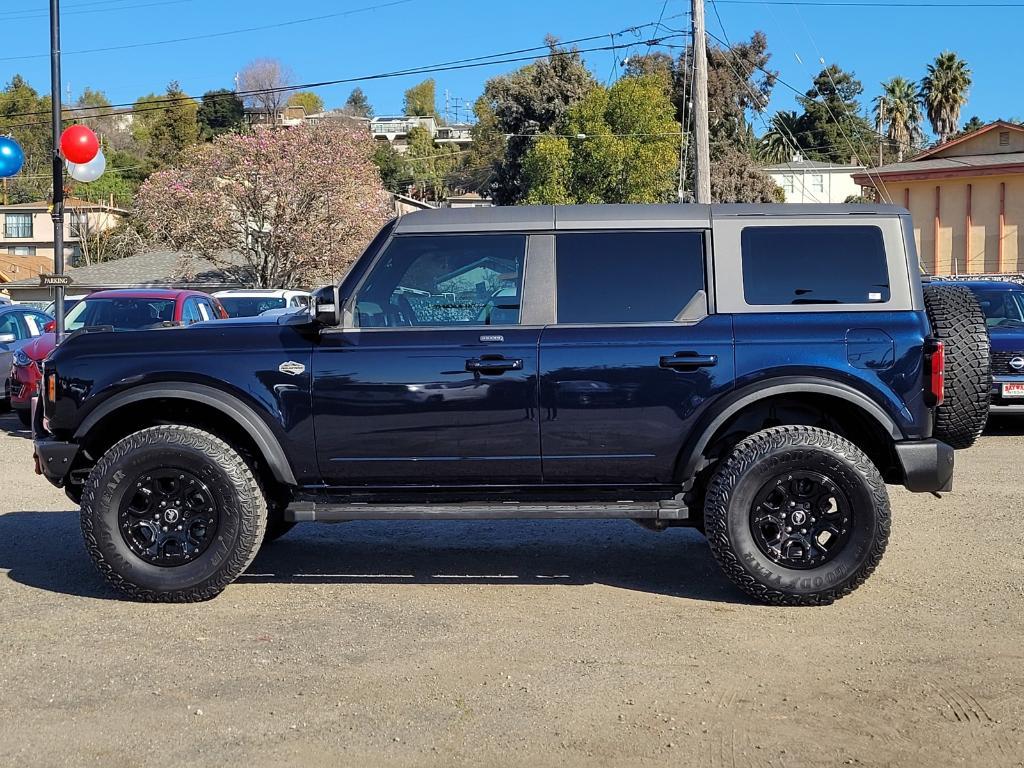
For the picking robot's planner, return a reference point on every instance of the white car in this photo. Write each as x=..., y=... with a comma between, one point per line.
x=250, y=302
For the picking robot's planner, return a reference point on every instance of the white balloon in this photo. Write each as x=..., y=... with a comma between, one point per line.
x=86, y=172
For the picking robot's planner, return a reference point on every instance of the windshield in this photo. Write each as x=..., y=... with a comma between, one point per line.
x=1002, y=308
x=250, y=306
x=125, y=314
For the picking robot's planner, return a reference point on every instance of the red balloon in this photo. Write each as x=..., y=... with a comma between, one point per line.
x=79, y=144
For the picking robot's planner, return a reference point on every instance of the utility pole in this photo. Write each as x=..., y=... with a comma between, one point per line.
x=702, y=157
x=57, y=212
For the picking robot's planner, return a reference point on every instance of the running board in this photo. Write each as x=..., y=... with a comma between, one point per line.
x=308, y=511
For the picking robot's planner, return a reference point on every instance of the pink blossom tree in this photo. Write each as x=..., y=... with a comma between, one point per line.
x=275, y=208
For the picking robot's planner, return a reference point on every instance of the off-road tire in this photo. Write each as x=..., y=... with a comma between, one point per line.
x=242, y=514
x=756, y=460
x=958, y=322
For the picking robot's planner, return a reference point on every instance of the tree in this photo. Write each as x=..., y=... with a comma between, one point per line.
x=831, y=128
x=357, y=104
x=779, y=145
x=33, y=134
x=972, y=125
x=308, y=100
x=944, y=91
x=429, y=165
x=515, y=107
x=174, y=128
x=296, y=207
x=421, y=99
x=145, y=112
x=220, y=112
x=735, y=178
x=898, y=114
x=261, y=81
x=391, y=167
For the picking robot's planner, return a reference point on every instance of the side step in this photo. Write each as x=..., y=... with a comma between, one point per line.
x=308, y=511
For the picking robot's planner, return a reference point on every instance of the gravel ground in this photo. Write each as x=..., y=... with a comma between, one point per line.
x=520, y=643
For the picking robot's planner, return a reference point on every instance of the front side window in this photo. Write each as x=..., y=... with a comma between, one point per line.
x=1002, y=308
x=814, y=265
x=250, y=306
x=444, y=280
x=627, y=277
x=190, y=312
x=124, y=314
x=10, y=327
x=18, y=225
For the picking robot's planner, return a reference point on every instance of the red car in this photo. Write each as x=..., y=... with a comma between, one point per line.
x=124, y=310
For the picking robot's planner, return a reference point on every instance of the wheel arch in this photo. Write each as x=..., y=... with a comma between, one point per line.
x=758, y=395
x=228, y=405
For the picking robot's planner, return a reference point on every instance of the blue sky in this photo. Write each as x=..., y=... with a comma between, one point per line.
x=875, y=42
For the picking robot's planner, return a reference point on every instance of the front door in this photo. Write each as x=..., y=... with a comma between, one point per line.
x=436, y=382
x=632, y=357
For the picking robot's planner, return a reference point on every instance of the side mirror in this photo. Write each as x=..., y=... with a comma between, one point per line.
x=327, y=306
x=7, y=338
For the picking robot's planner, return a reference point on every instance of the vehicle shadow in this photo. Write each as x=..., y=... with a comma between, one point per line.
x=44, y=550
x=11, y=424
x=1004, y=425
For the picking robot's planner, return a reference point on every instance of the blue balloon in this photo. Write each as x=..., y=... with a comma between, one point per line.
x=11, y=157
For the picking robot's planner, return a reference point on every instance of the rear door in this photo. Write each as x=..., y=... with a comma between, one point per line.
x=435, y=382
x=631, y=357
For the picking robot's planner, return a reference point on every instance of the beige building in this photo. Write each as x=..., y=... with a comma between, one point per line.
x=26, y=229
x=810, y=181
x=966, y=198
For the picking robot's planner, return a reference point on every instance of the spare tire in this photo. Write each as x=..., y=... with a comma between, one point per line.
x=958, y=322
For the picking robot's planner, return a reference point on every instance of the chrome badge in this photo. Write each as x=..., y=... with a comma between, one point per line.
x=1017, y=363
x=292, y=368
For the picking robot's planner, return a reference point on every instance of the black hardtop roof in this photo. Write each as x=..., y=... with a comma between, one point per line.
x=548, y=217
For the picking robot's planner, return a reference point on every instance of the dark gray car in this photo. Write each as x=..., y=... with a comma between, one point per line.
x=18, y=326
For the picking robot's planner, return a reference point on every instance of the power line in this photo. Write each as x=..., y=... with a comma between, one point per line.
x=7, y=16
x=871, y=4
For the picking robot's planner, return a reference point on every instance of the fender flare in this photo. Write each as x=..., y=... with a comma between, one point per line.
x=230, y=405
x=785, y=385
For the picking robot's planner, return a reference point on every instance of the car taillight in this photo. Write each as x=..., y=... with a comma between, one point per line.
x=935, y=359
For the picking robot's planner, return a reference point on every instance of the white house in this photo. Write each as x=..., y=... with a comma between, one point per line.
x=810, y=181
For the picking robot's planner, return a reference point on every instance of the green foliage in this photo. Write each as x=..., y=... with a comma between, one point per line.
x=146, y=111
x=220, y=112
x=972, y=125
x=392, y=169
x=777, y=145
x=174, y=128
x=944, y=91
x=308, y=100
x=421, y=99
x=831, y=128
x=429, y=165
x=898, y=114
x=622, y=147
x=17, y=100
x=736, y=178
x=357, y=104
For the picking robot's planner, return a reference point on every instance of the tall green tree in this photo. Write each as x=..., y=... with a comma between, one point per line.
x=972, y=125
x=429, y=165
x=898, y=114
x=18, y=99
x=831, y=128
x=779, y=143
x=220, y=112
x=357, y=104
x=308, y=100
x=944, y=91
x=391, y=167
x=421, y=99
x=515, y=107
x=175, y=128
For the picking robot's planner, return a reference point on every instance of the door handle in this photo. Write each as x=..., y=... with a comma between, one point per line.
x=683, y=361
x=495, y=364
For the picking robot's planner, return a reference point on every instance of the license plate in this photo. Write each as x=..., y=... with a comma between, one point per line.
x=1013, y=390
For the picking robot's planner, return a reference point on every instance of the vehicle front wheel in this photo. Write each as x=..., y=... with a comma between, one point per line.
x=25, y=417
x=172, y=514
x=797, y=516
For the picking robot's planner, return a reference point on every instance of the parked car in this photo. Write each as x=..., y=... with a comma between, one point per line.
x=70, y=300
x=121, y=310
x=1003, y=306
x=758, y=372
x=18, y=326
x=251, y=302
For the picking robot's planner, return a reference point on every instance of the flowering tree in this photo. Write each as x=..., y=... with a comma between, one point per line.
x=275, y=208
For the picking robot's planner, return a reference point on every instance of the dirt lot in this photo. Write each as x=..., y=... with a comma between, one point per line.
x=543, y=643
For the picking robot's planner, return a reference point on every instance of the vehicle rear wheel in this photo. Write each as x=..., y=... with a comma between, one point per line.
x=797, y=516
x=958, y=322
x=172, y=514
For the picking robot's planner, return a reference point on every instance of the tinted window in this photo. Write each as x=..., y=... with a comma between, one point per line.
x=1001, y=308
x=627, y=277
x=444, y=280
x=814, y=265
x=127, y=314
x=250, y=306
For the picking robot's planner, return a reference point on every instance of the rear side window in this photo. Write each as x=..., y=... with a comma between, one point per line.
x=814, y=265
x=627, y=277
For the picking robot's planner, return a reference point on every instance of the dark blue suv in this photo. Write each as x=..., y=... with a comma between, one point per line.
x=757, y=372
x=1002, y=303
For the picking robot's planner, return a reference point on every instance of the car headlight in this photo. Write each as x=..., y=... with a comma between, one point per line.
x=21, y=359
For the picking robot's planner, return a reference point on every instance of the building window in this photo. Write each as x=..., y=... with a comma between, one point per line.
x=18, y=225
x=787, y=182
x=817, y=183
x=78, y=223
x=1004, y=138
x=23, y=250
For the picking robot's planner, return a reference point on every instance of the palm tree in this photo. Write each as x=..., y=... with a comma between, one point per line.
x=944, y=91
x=779, y=144
x=898, y=114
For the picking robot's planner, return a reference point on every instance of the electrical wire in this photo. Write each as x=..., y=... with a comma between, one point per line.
x=9, y=16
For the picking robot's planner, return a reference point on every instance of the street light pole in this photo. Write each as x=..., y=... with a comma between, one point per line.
x=702, y=158
x=57, y=212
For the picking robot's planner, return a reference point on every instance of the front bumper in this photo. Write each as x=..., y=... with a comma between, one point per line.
x=927, y=465
x=1000, y=404
x=54, y=458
